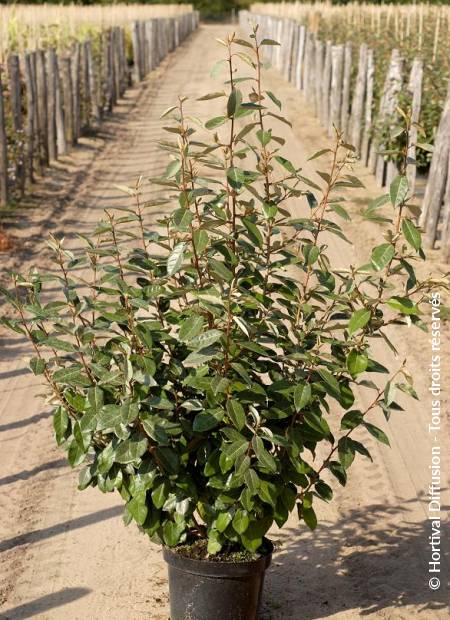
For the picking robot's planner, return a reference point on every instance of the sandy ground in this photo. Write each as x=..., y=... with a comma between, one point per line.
x=66, y=554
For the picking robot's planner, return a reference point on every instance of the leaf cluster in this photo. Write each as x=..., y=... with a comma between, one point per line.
x=211, y=371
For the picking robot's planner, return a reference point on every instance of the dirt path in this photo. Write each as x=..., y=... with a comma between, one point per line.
x=67, y=554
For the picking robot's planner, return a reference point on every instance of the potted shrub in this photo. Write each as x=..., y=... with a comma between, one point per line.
x=210, y=371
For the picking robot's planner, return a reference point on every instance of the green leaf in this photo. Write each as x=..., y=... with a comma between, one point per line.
x=137, y=508
x=83, y=438
x=72, y=375
x=214, y=545
x=175, y=259
x=311, y=253
x=168, y=111
x=172, y=169
x=109, y=417
x=319, y=154
x=234, y=102
x=390, y=391
x=59, y=345
x=286, y=164
x=270, y=210
x=105, y=459
x=241, y=521
x=276, y=101
x=398, y=190
x=96, y=398
x=236, y=413
x=359, y=319
x=76, y=454
x=217, y=121
x=237, y=447
x=223, y=521
x=253, y=535
x=131, y=450
x=252, y=481
x=346, y=452
x=37, y=365
x=253, y=232
x=60, y=424
x=309, y=517
x=201, y=240
x=190, y=328
x=182, y=219
x=84, y=478
x=264, y=136
x=382, y=255
x=159, y=494
x=356, y=362
x=317, y=423
x=269, y=42
x=168, y=458
x=172, y=532
x=214, y=95
x=236, y=177
x=377, y=433
x=219, y=268
x=198, y=358
x=264, y=457
x=403, y=305
x=302, y=396
x=324, y=490
x=205, y=422
x=412, y=234
x=351, y=419
x=205, y=339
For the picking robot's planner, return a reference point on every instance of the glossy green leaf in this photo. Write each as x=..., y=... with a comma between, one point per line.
x=236, y=413
x=358, y=320
x=398, y=190
x=175, y=260
x=302, y=396
x=412, y=234
x=382, y=255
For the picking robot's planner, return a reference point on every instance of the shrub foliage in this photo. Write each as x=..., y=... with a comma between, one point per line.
x=211, y=370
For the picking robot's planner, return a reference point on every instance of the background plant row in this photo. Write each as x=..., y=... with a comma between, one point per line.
x=28, y=26
x=417, y=31
x=104, y=60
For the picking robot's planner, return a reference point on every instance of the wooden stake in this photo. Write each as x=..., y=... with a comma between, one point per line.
x=445, y=235
x=345, y=109
x=36, y=128
x=337, y=68
x=326, y=86
x=51, y=104
x=4, y=190
x=30, y=136
x=67, y=92
x=415, y=88
x=94, y=84
x=16, y=110
x=436, y=186
x=355, y=121
x=366, y=142
x=76, y=100
x=59, y=103
x=41, y=83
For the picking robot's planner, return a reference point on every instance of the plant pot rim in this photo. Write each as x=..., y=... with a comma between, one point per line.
x=231, y=570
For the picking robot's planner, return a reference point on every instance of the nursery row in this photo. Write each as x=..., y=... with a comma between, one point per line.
x=361, y=93
x=50, y=96
x=25, y=27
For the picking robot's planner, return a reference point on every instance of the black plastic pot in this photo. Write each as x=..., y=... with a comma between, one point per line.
x=204, y=590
